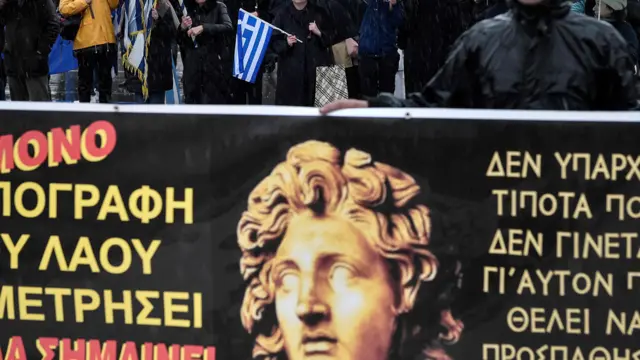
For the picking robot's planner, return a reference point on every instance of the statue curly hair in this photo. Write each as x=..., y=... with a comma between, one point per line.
x=381, y=201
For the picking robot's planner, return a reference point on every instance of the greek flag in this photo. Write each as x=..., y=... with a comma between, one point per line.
x=137, y=28
x=173, y=96
x=118, y=19
x=252, y=41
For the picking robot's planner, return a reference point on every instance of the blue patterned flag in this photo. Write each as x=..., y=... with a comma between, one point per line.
x=173, y=96
x=137, y=29
x=252, y=41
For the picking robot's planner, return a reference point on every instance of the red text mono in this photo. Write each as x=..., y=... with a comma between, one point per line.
x=57, y=146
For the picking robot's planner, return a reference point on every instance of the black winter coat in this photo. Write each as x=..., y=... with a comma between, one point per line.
x=431, y=29
x=536, y=57
x=3, y=75
x=205, y=79
x=297, y=64
x=160, y=72
x=32, y=27
x=346, y=25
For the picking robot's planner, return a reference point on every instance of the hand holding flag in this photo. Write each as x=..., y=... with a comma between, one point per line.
x=252, y=40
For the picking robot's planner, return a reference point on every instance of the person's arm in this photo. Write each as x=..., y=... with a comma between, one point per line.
x=3, y=6
x=578, y=6
x=163, y=27
x=72, y=7
x=454, y=86
x=51, y=28
x=617, y=90
x=279, y=41
x=1, y=36
x=396, y=13
x=225, y=24
x=327, y=29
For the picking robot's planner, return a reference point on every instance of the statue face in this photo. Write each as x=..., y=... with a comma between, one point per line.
x=334, y=294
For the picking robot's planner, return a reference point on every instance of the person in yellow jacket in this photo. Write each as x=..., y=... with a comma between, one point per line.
x=94, y=45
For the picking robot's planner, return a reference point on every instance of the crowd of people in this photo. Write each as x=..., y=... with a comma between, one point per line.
x=537, y=54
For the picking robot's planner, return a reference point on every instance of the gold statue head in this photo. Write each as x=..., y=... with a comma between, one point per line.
x=333, y=255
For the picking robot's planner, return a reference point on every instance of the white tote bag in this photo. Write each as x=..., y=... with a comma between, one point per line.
x=331, y=85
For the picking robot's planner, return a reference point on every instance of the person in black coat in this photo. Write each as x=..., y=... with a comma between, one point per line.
x=347, y=19
x=245, y=93
x=159, y=58
x=431, y=28
x=32, y=27
x=297, y=61
x=615, y=13
x=526, y=59
x=3, y=75
x=202, y=35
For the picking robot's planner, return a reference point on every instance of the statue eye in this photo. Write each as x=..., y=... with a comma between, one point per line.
x=342, y=275
x=288, y=281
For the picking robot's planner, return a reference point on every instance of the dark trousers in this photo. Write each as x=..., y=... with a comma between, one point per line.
x=247, y=93
x=29, y=89
x=353, y=82
x=99, y=59
x=155, y=97
x=3, y=81
x=378, y=74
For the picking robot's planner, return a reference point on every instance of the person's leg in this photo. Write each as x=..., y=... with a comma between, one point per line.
x=38, y=88
x=70, y=86
x=105, y=81
x=368, y=76
x=2, y=89
x=86, y=64
x=3, y=81
x=388, y=70
x=18, y=89
x=353, y=82
x=156, y=97
x=139, y=98
x=255, y=91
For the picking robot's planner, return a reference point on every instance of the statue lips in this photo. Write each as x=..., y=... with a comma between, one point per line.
x=316, y=343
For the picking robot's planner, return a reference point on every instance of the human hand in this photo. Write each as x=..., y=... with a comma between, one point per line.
x=291, y=40
x=195, y=31
x=154, y=14
x=352, y=47
x=343, y=104
x=186, y=22
x=314, y=28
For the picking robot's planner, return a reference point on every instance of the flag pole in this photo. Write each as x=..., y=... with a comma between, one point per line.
x=282, y=31
x=275, y=27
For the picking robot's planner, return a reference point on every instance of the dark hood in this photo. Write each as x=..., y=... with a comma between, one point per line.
x=537, y=17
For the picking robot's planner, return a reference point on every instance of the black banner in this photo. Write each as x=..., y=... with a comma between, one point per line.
x=150, y=236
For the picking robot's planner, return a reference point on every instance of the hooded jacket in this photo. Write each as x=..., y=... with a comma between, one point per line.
x=96, y=28
x=533, y=57
x=379, y=28
x=32, y=28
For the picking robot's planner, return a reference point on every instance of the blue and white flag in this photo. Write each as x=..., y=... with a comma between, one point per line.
x=118, y=19
x=173, y=96
x=137, y=29
x=252, y=41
